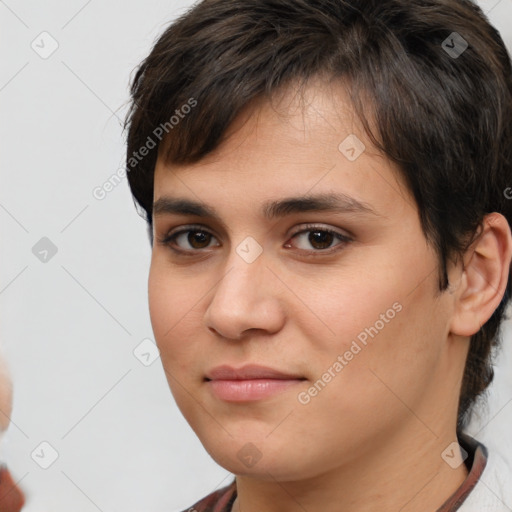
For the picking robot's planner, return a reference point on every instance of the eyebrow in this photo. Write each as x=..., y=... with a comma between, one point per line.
x=329, y=202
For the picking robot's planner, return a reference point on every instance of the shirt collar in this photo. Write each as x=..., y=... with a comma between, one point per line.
x=475, y=462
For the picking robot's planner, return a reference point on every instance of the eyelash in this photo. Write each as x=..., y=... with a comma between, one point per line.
x=169, y=239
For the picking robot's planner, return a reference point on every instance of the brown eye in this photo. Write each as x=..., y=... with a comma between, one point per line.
x=318, y=239
x=198, y=239
x=188, y=240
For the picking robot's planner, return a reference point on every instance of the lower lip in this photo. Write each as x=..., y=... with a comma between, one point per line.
x=249, y=390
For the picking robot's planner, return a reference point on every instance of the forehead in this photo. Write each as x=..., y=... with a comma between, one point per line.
x=303, y=142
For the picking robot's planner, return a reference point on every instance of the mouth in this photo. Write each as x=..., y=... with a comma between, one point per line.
x=249, y=383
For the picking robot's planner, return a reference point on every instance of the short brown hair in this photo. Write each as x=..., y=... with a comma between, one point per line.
x=444, y=118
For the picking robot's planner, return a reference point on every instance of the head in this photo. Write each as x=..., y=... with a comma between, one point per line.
x=243, y=104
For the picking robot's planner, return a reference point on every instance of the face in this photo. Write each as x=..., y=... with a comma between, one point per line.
x=293, y=332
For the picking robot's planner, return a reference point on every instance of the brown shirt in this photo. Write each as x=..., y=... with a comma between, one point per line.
x=222, y=499
x=11, y=497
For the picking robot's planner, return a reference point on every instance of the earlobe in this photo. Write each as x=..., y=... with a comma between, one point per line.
x=485, y=276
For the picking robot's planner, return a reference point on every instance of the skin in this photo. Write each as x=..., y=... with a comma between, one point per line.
x=391, y=412
x=5, y=396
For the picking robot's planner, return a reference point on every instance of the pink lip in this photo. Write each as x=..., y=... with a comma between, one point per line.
x=249, y=383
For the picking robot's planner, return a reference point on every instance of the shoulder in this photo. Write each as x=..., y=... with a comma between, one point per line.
x=218, y=501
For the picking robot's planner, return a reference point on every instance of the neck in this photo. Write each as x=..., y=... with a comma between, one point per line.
x=402, y=473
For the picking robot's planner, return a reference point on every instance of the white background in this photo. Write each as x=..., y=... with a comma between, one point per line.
x=69, y=326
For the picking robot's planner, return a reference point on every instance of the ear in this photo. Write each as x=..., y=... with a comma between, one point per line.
x=486, y=268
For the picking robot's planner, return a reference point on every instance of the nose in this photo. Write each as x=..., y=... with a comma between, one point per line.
x=247, y=297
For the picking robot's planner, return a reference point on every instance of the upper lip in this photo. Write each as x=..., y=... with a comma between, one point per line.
x=248, y=372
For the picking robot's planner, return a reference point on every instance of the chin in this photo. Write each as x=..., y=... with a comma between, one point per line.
x=259, y=459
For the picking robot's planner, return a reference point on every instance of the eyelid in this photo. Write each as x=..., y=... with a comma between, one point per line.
x=320, y=227
x=300, y=229
x=188, y=227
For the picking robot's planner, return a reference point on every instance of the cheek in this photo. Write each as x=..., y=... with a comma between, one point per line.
x=172, y=322
x=176, y=320
x=170, y=297
x=345, y=305
x=168, y=309
x=161, y=304
x=366, y=396
x=376, y=340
